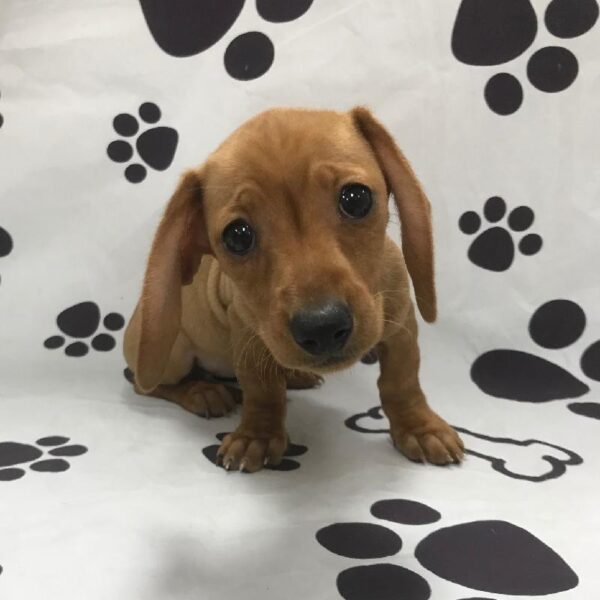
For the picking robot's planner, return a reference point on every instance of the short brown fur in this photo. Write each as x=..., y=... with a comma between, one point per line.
x=282, y=172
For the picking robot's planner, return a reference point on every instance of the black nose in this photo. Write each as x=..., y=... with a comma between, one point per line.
x=322, y=329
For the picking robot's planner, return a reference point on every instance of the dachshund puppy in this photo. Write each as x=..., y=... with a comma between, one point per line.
x=271, y=264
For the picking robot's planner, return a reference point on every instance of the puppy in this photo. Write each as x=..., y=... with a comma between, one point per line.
x=271, y=264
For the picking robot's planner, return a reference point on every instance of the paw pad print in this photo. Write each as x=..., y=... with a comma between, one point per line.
x=494, y=247
x=6, y=243
x=524, y=377
x=287, y=464
x=81, y=321
x=493, y=33
x=189, y=27
x=14, y=455
x=155, y=146
x=489, y=556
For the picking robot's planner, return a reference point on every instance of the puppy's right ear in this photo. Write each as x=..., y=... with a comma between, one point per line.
x=179, y=244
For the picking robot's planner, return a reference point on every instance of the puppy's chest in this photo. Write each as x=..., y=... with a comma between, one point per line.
x=205, y=320
x=217, y=365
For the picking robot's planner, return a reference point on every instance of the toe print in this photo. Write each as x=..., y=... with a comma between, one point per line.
x=552, y=69
x=359, y=540
x=407, y=512
x=494, y=33
x=6, y=243
x=276, y=11
x=570, y=18
x=494, y=248
x=530, y=460
x=15, y=453
x=503, y=93
x=287, y=464
x=585, y=409
x=189, y=27
x=81, y=321
x=557, y=324
x=384, y=582
x=155, y=147
x=590, y=361
x=249, y=56
x=490, y=556
x=517, y=375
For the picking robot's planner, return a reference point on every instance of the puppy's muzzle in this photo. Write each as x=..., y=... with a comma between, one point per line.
x=324, y=329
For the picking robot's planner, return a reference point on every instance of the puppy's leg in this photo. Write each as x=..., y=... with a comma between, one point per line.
x=202, y=398
x=416, y=430
x=261, y=438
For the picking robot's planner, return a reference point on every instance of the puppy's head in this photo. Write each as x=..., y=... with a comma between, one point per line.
x=294, y=206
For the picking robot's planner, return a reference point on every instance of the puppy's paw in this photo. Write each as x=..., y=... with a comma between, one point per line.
x=249, y=453
x=300, y=380
x=423, y=436
x=207, y=399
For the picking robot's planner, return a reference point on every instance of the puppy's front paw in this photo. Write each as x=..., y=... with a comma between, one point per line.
x=250, y=453
x=423, y=436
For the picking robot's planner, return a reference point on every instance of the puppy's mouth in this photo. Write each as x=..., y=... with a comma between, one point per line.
x=333, y=362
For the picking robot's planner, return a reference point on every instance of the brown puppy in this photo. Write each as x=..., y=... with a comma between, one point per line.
x=271, y=263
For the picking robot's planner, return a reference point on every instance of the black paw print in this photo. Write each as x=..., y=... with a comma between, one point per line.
x=14, y=453
x=81, y=321
x=155, y=146
x=287, y=464
x=189, y=27
x=488, y=556
x=494, y=248
x=492, y=33
x=6, y=243
x=516, y=375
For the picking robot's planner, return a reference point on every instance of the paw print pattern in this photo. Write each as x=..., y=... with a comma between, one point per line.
x=370, y=358
x=526, y=460
x=155, y=146
x=524, y=377
x=493, y=33
x=189, y=27
x=81, y=321
x=494, y=248
x=6, y=243
x=14, y=453
x=287, y=464
x=488, y=556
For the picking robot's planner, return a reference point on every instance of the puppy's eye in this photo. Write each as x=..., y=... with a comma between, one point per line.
x=355, y=200
x=239, y=238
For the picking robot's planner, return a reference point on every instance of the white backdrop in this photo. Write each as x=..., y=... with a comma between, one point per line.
x=105, y=494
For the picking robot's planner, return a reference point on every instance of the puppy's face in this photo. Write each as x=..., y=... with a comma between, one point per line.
x=296, y=207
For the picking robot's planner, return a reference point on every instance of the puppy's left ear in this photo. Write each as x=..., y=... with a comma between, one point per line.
x=413, y=208
x=179, y=244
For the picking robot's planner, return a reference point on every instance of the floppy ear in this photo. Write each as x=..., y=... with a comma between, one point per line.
x=413, y=208
x=179, y=243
